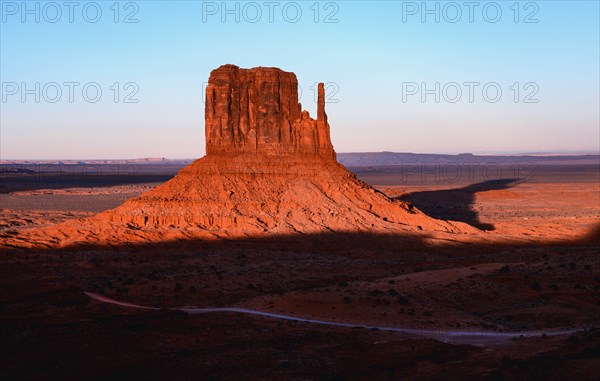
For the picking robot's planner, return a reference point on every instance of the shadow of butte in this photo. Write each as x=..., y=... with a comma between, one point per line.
x=457, y=204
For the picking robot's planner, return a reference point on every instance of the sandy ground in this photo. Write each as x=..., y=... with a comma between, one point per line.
x=540, y=210
x=546, y=275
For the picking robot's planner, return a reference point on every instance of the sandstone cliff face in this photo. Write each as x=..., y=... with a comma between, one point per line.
x=270, y=169
x=256, y=111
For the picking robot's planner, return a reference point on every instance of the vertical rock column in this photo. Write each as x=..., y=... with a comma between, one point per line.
x=323, y=138
x=321, y=116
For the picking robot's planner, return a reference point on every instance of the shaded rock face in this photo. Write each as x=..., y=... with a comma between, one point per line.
x=256, y=111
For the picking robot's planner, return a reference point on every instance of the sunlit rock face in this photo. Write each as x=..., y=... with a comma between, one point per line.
x=256, y=111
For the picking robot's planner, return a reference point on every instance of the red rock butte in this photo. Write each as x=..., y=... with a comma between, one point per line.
x=256, y=111
x=269, y=169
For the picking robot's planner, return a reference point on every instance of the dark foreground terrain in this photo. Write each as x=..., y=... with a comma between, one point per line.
x=543, y=274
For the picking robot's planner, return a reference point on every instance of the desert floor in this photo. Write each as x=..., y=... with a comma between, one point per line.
x=541, y=273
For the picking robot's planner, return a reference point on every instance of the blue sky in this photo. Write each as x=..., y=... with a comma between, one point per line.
x=373, y=54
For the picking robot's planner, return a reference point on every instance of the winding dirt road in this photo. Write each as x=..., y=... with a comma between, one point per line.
x=473, y=337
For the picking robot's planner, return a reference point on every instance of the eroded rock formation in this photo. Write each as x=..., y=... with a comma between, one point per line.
x=256, y=111
x=270, y=169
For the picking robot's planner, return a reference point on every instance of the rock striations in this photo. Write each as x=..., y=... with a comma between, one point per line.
x=269, y=168
x=256, y=111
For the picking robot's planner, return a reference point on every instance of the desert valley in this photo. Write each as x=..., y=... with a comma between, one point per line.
x=269, y=259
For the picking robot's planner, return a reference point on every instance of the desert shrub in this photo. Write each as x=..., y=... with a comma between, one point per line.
x=573, y=339
x=383, y=302
x=375, y=292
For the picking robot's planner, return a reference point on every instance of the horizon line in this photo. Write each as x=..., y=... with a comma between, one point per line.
x=508, y=153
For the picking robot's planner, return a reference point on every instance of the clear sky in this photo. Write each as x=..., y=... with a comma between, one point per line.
x=377, y=56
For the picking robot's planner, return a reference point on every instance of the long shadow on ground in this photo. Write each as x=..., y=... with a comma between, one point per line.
x=457, y=204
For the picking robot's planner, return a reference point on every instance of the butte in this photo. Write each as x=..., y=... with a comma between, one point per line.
x=270, y=168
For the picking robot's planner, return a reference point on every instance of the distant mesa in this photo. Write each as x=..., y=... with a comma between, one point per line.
x=270, y=168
